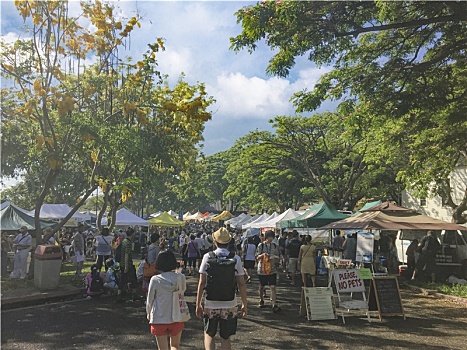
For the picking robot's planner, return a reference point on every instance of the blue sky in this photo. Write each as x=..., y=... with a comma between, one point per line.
x=197, y=43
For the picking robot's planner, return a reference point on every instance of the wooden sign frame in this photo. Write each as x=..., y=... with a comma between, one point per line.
x=373, y=293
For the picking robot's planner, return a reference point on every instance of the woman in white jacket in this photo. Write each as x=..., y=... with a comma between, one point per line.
x=159, y=302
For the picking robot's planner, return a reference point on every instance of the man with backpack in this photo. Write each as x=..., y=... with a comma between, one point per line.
x=267, y=255
x=219, y=273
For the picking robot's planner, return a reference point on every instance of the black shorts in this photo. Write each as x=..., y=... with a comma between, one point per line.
x=268, y=280
x=248, y=264
x=227, y=327
x=129, y=277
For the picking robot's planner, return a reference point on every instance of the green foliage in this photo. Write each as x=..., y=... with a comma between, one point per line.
x=76, y=127
x=399, y=65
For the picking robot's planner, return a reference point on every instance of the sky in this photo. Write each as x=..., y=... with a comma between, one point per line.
x=197, y=43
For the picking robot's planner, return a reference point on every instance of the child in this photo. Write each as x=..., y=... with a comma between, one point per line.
x=94, y=282
x=111, y=276
x=159, y=301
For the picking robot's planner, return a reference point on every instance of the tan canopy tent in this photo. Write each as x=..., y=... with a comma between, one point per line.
x=394, y=220
x=225, y=215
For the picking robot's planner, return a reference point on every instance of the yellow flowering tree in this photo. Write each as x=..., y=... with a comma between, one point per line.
x=100, y=122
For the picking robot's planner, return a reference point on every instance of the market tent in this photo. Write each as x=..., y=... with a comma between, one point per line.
x=261, y=218
x=276, y=222
x=397, y=220
x=225, y=215
x=316, y=216
x=59, y=211
x=368, y=205
x=173, y=213
x=205, y=214
x=153, y=215
x=209, y=217
x=126, y=218
x=187, y=214
x=387, y=207
x=247, y=219
x=236, y=219
x=12, y=218
x=165, y=219
x=195, y=216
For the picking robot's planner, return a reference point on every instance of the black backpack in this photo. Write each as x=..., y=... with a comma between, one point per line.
x=97, y=284
x=220, y=281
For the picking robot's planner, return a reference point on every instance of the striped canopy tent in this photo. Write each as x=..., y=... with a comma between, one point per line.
x=225, y=215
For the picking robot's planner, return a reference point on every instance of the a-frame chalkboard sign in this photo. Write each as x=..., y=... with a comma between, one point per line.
x=385, y=297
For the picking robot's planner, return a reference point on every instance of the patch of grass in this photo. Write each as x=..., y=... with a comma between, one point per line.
x=454, y=290
x=8, y=284
x=67, y=274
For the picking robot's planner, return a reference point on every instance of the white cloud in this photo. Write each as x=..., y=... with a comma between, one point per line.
x=175, y=61
x=240, y=96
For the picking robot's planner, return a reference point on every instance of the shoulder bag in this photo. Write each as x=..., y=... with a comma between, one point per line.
x=180, y=311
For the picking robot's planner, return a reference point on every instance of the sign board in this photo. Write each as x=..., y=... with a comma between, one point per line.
x=385, y=297
x=319, y=304
x=365, y=244
x=348, y=281
x=365, y=274
x=180, y=215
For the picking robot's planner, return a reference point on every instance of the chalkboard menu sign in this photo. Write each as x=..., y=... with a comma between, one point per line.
x=385, y=297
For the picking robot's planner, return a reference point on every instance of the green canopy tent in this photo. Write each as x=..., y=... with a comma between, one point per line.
x=12, y=218
x=368, y=205
x=165, y=219
x=316, y=216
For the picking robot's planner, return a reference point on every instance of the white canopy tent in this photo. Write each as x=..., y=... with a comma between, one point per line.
x=275, y=222
x=173, y=213
x=195, y=216
x=59, y=211
x=209, y=217
x=246, y=220
x=236, y=219
x=261, y=218
x=156, y=214
x=126, y=218
x=187, y=214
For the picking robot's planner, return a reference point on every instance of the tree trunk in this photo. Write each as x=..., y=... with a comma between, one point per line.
x=51, y=175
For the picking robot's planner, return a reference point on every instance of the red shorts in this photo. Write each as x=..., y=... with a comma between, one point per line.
x=167, y=328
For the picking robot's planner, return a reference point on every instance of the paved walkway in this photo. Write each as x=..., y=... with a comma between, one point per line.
x=101, y=324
